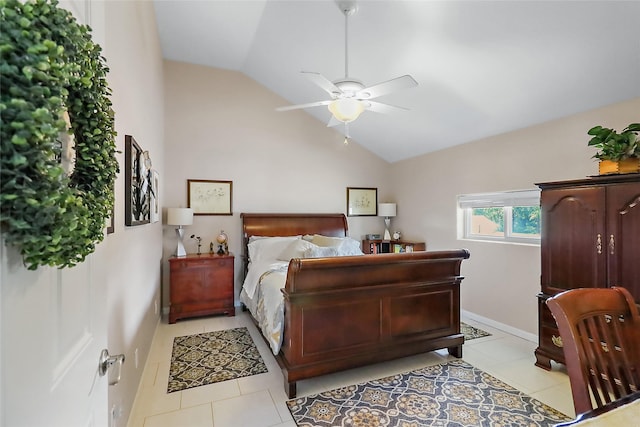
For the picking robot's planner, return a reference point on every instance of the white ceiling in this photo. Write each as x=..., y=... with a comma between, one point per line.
x=483, y=67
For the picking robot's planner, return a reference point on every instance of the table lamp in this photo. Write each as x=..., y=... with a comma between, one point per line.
x=180, y=217
x=387, y=210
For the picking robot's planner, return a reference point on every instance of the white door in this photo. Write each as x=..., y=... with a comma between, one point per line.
x=54, y=326
x=53, y=330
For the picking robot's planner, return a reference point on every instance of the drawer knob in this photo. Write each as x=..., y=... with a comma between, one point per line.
x=557, y=341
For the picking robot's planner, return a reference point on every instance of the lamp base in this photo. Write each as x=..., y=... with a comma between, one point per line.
x=387, y=223
x=180, y=251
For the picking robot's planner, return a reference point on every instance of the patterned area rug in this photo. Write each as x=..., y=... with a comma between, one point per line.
x=213, y=357
x=471, y=332
x=453, y=394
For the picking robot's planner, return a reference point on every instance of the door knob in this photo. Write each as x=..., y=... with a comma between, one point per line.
x=106, y=361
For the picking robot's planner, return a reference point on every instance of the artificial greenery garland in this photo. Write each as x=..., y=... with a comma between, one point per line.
x=49, y=65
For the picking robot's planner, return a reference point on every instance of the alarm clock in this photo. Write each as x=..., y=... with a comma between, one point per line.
x=396, y=235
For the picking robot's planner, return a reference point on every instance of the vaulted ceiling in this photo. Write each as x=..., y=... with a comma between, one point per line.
x=482, y=67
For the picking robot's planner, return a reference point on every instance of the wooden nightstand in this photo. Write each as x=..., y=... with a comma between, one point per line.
x=201, y=285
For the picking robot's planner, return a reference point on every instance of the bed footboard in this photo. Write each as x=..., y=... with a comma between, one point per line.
x=346, y=312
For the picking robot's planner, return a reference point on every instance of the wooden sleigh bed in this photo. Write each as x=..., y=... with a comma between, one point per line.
x=345, y=312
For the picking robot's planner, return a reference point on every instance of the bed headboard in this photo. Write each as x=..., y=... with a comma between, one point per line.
x=290, y=224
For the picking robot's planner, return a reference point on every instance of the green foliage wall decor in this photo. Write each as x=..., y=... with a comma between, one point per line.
x=48, y=66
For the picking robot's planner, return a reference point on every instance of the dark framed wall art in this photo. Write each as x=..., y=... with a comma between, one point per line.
x=362, y=201
x=137, y=209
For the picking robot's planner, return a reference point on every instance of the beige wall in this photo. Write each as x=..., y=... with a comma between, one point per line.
x=134, y=254
x=126, y=266
x=222, y=125
x=502, y=280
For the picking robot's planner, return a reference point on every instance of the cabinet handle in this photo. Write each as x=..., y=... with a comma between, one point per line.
x=612, y=245
x=557, y=341
x=599, y=243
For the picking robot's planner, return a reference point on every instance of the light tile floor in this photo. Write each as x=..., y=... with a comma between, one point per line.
x=259, y=400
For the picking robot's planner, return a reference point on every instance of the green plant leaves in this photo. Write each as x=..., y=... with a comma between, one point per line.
x=616, y=146
x=49, y=64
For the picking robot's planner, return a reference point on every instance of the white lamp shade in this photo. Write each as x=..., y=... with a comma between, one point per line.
x=386, y=209
x=179, y=216
x=346, y=110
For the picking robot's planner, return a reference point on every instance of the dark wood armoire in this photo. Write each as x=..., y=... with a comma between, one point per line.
x=590, y=238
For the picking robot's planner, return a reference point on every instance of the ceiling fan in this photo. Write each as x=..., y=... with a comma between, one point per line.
x=349, y=96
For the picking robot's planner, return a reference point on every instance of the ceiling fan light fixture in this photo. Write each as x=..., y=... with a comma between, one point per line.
x=346, y=110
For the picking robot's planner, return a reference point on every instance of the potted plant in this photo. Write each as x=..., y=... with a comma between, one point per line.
x=617, y=152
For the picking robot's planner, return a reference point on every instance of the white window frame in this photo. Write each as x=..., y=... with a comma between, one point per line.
x=506, y=200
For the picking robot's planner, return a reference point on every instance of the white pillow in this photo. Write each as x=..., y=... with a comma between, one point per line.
x=295, y=249
x=321, y=252
x=349, y=246
x=320, y=240
x=268, y=248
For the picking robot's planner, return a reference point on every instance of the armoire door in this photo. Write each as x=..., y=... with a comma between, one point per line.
x=573, y=245
x=623, y=237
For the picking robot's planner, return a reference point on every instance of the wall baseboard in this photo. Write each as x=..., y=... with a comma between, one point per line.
x=505, y=328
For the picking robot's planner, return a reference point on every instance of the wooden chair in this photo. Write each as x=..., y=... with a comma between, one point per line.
x=600, y=331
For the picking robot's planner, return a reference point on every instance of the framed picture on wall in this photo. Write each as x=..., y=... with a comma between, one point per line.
x=110, y=222
x=362, y=201
x=207, y=197
x=154, y=200
x=137, y=187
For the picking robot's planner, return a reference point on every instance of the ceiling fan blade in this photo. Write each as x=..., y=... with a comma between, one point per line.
x=323, y=83
x=403, y=82
x=310, y=104
x=379, y=107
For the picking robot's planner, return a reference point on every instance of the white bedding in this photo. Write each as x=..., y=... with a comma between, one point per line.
x=267, y=274
x=266, y=305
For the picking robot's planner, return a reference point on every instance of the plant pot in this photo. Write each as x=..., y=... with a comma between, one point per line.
x=631, y=165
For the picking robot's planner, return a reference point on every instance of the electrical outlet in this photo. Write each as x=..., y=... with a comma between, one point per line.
x=135, y=358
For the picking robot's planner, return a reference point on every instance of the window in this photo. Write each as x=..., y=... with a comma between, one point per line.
x=511, y=216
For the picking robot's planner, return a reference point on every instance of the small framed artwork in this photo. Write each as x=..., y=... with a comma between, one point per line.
x=208, y=197
x=137, y=168
x=153, y=200
x=110, y=223
x=362, y=201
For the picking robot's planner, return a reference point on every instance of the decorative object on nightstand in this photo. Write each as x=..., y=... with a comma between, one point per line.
x=387, y=210
x=200, y=285
x=180, y=217
x=199, y=239
x=222, y=239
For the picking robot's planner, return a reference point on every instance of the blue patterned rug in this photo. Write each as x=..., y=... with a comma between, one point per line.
x=453, y=394
x=471, y=332
x=212, y=357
